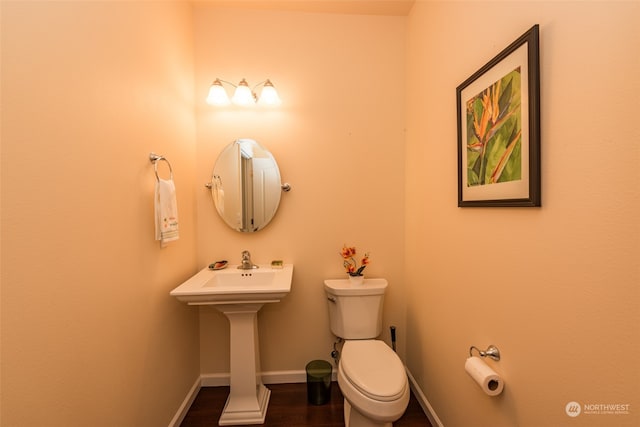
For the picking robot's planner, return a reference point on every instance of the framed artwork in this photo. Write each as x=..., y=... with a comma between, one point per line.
x=499, y=129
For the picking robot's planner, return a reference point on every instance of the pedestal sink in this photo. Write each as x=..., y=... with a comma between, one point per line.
x=239, y=294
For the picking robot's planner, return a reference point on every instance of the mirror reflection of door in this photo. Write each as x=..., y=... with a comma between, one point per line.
x=246, y=186
x=265, y=203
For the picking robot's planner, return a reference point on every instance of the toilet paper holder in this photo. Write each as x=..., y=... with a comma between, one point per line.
x=491, y=351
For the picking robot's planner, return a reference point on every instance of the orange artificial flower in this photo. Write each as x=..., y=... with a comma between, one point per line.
x=348, y=254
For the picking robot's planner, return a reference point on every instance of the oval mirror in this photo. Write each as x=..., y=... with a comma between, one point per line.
x=245, y=185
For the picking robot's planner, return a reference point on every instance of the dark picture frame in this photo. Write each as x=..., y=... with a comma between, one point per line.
x=499, y=129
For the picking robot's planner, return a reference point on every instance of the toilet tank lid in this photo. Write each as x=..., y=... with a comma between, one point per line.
x=345, y=287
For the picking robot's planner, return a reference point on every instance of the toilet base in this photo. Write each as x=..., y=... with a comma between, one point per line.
x=353, y=418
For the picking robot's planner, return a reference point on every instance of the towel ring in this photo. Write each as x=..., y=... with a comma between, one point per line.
x=155, y=158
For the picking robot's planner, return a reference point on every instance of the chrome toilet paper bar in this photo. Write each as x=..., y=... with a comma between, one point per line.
x=491, y=351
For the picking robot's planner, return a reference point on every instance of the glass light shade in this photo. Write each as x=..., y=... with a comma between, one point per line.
x=243, y=95
x=217, y=94
x=269, y=95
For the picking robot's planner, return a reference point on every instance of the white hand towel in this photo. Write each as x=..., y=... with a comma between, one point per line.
x=166, y=211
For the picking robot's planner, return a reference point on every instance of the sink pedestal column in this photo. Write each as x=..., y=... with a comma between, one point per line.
x=248, y=399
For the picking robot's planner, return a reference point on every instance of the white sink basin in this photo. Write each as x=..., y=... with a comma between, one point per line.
x=231, y=285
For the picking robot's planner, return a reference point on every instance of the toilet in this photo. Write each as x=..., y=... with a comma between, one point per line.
x=371, y=376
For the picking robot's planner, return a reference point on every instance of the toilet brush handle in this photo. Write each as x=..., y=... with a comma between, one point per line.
x=393, y=337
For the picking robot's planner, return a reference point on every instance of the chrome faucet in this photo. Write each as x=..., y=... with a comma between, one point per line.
x=246, y=262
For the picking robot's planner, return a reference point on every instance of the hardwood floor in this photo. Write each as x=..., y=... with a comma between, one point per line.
x=288, y=407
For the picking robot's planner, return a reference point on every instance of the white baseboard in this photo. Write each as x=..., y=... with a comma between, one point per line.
x=424, y=403
x=186, y=404
x=291, y=377
x=214, y=380
x=287, y=377
x=271, y=377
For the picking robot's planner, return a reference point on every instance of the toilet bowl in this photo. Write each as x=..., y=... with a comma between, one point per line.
x=373, y=382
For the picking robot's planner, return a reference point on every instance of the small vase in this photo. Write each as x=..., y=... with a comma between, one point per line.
x=356, y=280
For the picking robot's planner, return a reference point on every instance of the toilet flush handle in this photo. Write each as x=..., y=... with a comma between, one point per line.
x=332, y=299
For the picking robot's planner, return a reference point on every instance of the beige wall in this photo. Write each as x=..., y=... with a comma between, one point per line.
x=555, y=288
x=90, y=88
x=89, y=334
x=339, y=141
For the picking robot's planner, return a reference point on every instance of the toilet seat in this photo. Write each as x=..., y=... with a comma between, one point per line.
x=374, y=369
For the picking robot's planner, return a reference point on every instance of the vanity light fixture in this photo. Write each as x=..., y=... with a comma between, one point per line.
x=243, y=95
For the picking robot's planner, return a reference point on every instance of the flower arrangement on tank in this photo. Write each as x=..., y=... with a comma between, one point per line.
x=350, y=264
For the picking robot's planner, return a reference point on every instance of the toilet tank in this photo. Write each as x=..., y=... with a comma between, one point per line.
x=355, y=311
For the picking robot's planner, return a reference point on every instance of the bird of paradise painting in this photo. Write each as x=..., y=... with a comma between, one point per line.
x=494, y=133
x=498, y=115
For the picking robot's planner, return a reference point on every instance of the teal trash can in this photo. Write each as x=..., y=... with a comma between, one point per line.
x=318, y=382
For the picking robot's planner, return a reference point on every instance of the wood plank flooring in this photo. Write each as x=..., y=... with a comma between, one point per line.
x=288, y=407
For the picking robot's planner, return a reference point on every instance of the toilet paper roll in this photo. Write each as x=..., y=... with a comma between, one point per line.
x=490, y=382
